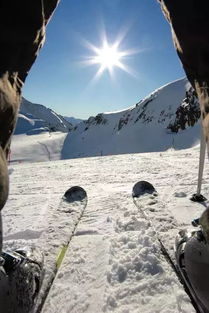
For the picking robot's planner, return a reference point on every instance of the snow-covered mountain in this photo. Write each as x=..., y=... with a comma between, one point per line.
x=36, y=118
x=74, y=121
x=167, y=118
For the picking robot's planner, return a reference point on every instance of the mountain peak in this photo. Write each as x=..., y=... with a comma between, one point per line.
x=36, y=118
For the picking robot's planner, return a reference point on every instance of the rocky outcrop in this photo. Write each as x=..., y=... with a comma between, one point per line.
x=187, y=114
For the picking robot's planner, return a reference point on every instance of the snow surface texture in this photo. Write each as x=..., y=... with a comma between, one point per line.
x=36, y=118
x=113, y=263
x=168, y=118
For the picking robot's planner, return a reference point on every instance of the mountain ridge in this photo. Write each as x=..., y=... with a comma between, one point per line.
x=156, y=123
x=166, y=119
x=35, y=118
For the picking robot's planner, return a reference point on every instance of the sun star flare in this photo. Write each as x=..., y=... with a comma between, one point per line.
x=108, y=57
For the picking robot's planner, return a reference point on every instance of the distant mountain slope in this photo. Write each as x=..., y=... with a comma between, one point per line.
x=36, y=118
x=167, y=118
x=74, y=121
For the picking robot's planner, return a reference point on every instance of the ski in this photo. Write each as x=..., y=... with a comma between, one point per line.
x=71, y=207
x=145, y=198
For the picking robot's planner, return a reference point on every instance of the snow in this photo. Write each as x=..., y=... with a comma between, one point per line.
x=35, y=148
x=138, y=129
x=36, y=116
x=114, y=263
x=142, y=128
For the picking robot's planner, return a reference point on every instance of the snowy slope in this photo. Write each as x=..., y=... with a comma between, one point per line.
x=36, y=118
x=168, y=118
x=114, y=263
x=45, y=146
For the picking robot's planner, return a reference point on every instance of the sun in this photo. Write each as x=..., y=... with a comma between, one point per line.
x=108, y=57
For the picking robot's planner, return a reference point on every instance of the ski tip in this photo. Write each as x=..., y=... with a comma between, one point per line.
x=75, y=193
x=143, y=187
x=198, y=198
x=195, y=222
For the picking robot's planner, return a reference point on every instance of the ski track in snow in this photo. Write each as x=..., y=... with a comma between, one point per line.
x=114, y=263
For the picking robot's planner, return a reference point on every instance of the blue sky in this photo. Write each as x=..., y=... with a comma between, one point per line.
x=58, y=79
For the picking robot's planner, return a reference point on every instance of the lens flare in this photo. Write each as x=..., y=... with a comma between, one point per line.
x=109, y=56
